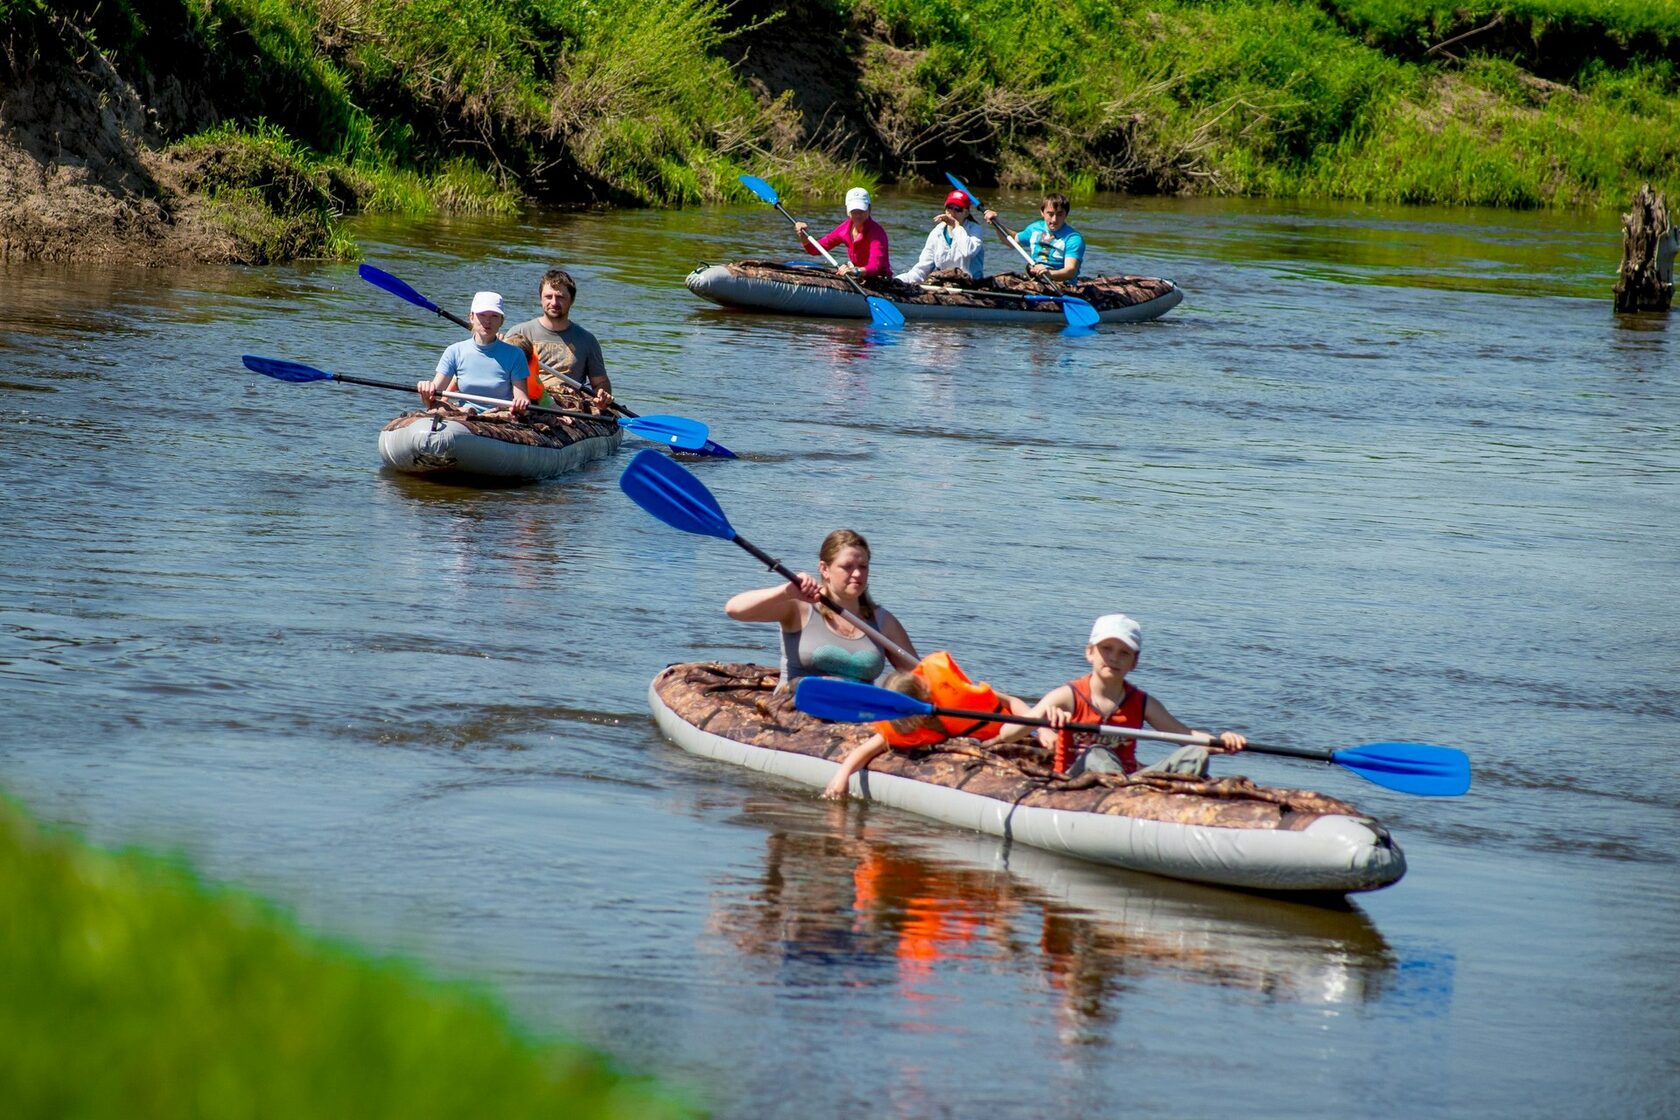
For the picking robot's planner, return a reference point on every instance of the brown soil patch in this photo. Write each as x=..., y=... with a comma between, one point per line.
x=78, y=181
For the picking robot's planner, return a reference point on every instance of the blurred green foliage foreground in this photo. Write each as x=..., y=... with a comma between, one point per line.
x=133, y=990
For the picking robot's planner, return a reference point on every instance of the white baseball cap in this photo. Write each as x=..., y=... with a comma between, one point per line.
x=487, y=301
x=857, y=199
x=1118, y=626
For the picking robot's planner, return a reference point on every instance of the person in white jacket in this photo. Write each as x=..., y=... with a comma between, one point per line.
x=956, y=241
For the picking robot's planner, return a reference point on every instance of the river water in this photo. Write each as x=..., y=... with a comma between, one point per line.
x=1385, y=474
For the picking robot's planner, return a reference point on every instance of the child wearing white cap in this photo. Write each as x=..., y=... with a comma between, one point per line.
x=862, y=235
x=483, y=365
x=1106, y=696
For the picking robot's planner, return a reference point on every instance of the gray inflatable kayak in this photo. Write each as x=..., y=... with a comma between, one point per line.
x=1007, y=298
x=1225, y=831
x=505, y=451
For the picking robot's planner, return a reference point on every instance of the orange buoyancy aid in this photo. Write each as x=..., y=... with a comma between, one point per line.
x=1128, y=713
x=950, y=688
x=533, y=383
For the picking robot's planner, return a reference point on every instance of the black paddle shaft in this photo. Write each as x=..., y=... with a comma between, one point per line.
x=372, y=384
x=1009, y=237
x=780, y=569
x=1099, y=729
x=466, y=326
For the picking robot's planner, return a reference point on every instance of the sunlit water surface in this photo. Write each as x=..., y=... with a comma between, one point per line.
x=1385, y=474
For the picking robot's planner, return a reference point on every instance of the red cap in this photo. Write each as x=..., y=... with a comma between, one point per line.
x=957, y=198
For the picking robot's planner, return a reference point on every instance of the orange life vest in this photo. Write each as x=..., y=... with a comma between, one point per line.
x=533, y=383
x=950, y=688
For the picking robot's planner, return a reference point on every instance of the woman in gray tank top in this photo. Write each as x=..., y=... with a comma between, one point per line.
x=815, y=641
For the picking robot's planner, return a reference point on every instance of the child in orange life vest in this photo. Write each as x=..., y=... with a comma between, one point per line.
x=1105, y=696
x=937, y=680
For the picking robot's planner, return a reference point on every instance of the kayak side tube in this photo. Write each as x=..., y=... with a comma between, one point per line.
x=1332, y=854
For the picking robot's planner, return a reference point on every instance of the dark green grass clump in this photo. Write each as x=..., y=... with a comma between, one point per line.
x=133, y=990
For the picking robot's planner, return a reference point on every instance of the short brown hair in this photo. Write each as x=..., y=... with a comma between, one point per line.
x=558, y=278
x=1057, y=202
x=911, y=685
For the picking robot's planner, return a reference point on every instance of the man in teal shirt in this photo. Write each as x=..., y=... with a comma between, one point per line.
x=1056, y=248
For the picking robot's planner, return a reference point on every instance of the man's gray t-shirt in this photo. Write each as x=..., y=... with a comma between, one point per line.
x=573, y=351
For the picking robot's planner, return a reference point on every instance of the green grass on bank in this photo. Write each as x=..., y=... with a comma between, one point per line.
x=133, y=990
x=1640, y=25
x=1284, y=98
x=421, y=106
x=619, y=101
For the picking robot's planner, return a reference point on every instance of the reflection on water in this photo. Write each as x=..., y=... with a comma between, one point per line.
x=847, y=905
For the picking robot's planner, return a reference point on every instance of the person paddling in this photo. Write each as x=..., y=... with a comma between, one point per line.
x=1106, y=696
x=1056, y=248
x=483, y=365
x=564, y=346
x=862, y=235
x=815, y=640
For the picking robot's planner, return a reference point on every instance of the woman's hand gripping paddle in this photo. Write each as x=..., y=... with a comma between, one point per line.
x=379, y=278
x=1420, y=768
x=669, y=491
x=673, y=431
x=1080, y=315
x=881, y=313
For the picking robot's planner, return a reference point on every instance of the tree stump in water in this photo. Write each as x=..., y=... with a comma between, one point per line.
x=1649, y=244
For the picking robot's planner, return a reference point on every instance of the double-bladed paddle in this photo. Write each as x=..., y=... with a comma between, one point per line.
x=1078, y=313
x=379, y=278
x=881, y=312
x=673, y=431
x=669, y=491
x=1420, y=768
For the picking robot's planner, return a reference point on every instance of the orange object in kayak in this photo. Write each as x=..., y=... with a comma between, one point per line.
x=533, y=383
x=950, y=688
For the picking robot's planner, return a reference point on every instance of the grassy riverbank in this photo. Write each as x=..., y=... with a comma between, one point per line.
x=134, y=990
x=309, y=109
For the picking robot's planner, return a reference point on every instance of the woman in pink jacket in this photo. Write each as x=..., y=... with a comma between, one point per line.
x=863, y=237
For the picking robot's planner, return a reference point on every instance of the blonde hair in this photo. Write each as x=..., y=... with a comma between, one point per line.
x=831, y=547
x=911, y=685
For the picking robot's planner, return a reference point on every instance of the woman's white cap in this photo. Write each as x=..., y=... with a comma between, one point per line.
x=1117, y=626
x=487, y=301
x=857, y=199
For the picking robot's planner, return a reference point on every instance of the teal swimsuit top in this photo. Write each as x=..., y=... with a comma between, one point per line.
x=815, y=650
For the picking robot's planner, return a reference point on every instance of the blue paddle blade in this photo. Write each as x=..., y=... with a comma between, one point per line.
x=759, y=187
x=282, y=370
x=853, y=702
x=1420, y=768
x=379, y=278
x=714, y=448
x=963, y=187
x=667, y=490
x=1079, y=313
x=673, y=431
x=884, y=314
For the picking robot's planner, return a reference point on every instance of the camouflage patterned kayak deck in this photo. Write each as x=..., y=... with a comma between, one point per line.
x=1227, y=831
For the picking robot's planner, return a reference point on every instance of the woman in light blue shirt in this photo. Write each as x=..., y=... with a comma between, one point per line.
x=482, y=365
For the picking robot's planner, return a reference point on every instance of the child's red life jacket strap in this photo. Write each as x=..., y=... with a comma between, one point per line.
x=1064, y=750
